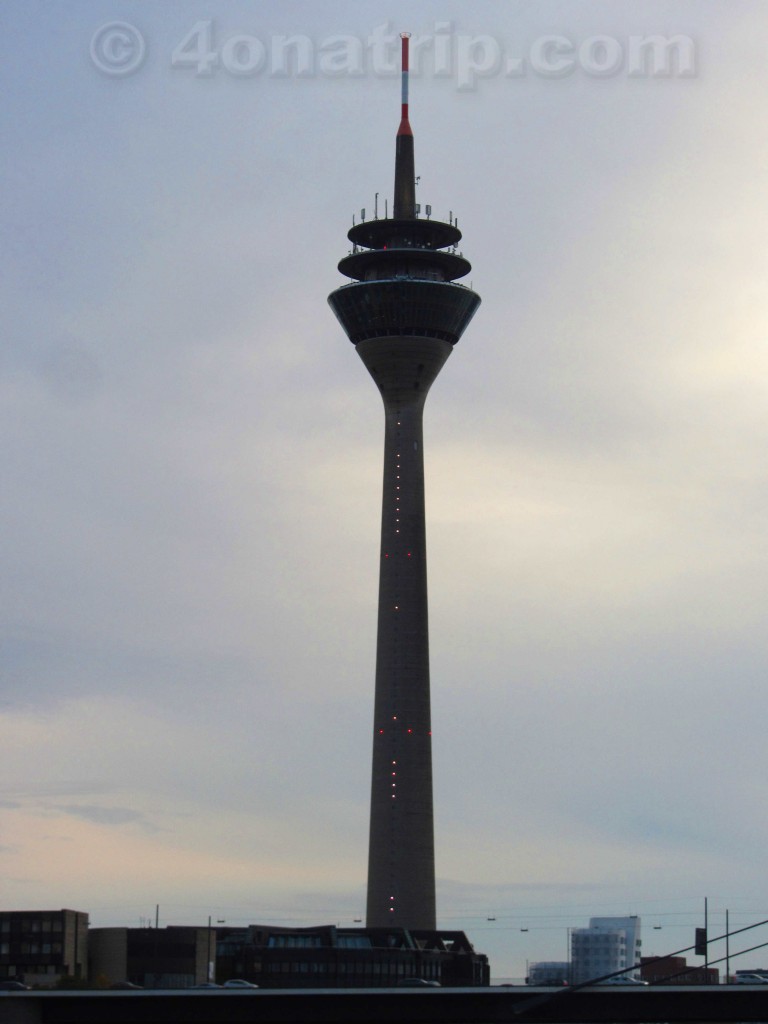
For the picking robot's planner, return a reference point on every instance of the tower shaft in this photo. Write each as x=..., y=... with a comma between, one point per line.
x=401, y=859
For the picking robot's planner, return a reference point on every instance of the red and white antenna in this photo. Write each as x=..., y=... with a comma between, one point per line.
x=404, y=207
x=405, y=127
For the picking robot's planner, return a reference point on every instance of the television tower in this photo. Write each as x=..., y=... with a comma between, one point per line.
x=403, y=313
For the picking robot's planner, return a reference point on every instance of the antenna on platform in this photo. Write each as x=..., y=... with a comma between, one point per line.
x=405, y=128
x=405, y=178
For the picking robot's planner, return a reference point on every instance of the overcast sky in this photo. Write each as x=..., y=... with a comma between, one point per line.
x=191, y=462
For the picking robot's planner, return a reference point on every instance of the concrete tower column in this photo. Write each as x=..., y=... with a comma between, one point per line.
x=401, y=860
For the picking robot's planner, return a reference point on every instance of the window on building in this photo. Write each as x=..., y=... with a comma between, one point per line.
x=295, y=941
x=355, y=942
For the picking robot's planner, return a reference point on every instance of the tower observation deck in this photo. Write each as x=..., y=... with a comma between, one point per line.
x=403, y=311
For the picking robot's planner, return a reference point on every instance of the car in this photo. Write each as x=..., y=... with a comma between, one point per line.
x=622, y=981
x=750, y=979
x=125, y=985
x=206, y=984
x=417, y=983
x=238, y=983
x=13, y=986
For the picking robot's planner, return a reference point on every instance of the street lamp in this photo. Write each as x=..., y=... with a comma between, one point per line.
x=210, y=970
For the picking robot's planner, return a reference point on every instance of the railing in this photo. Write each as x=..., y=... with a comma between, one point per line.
x=617, y=1004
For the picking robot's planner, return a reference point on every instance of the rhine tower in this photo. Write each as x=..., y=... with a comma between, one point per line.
x=403, y=311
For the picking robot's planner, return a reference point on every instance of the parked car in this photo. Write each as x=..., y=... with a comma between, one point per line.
x=238, y=983
x=417, y=983
x=206, y=984
x=13, y=986
x=622, y=981
x=750, y=979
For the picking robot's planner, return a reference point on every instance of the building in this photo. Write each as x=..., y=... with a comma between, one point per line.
x=608, y=945
x=403, y=312
x=549, y=972
x=39, y=947
x=674, y=970
x=172, y=957
x=333, y=957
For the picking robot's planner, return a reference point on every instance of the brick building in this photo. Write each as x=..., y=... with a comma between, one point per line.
x=674, y=970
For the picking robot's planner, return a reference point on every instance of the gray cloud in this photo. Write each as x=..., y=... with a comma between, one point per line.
x=106, y=815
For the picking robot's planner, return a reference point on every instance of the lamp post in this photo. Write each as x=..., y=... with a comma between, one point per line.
x=211, y=963
x=569, y=955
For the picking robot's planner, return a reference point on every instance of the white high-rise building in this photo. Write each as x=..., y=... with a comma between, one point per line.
x=609, y=944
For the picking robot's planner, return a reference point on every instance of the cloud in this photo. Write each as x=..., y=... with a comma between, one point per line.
x=105, y=815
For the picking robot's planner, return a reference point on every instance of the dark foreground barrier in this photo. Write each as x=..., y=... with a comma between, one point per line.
x=613, y=1004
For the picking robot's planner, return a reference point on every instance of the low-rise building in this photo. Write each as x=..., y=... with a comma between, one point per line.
x=674, y=970
x=549, y=972
x=333, y=957
x=38, y=947
x=172, y=957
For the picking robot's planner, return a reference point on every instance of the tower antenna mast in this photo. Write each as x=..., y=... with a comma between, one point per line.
x=405, y=174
